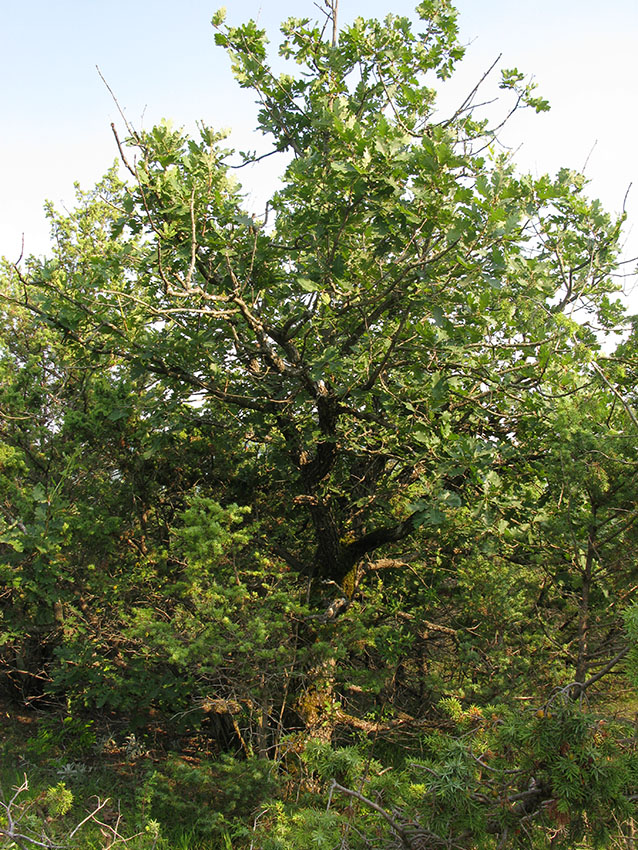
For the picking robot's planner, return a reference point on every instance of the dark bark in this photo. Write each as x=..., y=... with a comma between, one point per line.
x=335, y=560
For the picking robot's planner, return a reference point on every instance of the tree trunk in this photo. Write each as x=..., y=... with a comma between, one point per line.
x=583, y=614
x=316, y=704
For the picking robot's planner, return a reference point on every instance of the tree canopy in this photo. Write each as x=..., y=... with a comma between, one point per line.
x=350, y=486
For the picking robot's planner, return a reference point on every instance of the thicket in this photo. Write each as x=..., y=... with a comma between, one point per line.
x=318, y=528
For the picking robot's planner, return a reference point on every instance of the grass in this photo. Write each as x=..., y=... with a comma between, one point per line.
x=96, y=761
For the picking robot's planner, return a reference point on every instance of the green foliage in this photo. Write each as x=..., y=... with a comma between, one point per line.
x=70, y=736
x=58, y=799
x=529, y=776
x=631, y=624
x=208, y=799
x=348, y=765
x=305, y=829
x=48, y=817
x=333, y=494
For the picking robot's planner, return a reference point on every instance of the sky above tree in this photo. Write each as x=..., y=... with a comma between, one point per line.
x=160, y=63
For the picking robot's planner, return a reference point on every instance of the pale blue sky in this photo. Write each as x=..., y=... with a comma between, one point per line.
x=159, y=58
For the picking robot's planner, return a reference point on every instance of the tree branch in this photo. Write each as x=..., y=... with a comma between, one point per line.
x=400, y=831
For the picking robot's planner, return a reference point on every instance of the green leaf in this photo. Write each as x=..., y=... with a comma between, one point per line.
x=306, y=284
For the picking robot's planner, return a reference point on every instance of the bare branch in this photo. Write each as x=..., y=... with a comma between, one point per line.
x=400, y=831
